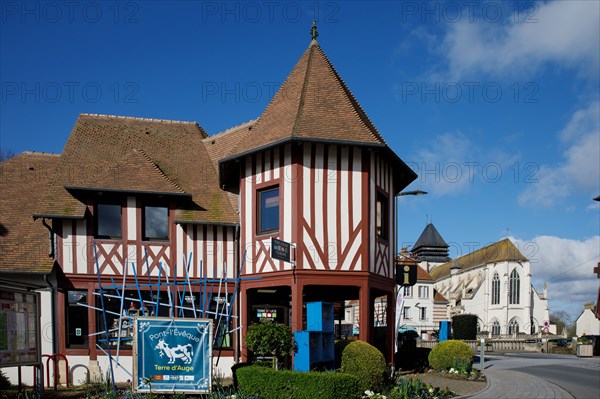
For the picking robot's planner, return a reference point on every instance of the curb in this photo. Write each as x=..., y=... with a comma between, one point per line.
x=488, y=383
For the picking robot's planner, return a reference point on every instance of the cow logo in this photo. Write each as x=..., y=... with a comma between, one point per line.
x=179, y=352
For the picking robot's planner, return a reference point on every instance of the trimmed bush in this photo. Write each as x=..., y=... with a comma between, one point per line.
x=445, y=354
x=464, y=326
x=266, y=383
x=365, y=362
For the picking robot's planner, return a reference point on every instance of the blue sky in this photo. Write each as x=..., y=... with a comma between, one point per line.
x=494, y=104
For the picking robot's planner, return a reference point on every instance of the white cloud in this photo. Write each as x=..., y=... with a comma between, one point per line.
x=566, y=33
x=579, y=172
x=443, y=167
x=567, y=266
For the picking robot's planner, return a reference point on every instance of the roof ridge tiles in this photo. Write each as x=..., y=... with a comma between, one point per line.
x=231, y=129
x=137, y=118
x=40, y=153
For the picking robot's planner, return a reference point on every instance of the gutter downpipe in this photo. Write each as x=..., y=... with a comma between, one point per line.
x=53, y=288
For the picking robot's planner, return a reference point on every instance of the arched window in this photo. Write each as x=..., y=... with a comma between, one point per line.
x=496, y=327
x=514, y=288
x=513, y=326
x=495, y=289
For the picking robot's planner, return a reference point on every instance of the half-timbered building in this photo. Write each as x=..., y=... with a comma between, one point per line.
x=145, y=200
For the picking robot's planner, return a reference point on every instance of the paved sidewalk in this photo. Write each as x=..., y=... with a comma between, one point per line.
x=511, y=384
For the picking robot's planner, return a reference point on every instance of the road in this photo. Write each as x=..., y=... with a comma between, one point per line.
x=578, y=376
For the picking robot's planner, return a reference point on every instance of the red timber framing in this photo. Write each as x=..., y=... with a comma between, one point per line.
x=211, y=247
x=326, y=210
x=369, y=287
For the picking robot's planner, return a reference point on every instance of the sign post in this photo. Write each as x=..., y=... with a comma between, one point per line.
x=172, y=355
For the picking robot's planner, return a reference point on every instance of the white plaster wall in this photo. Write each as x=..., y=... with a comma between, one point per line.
x=588, y=324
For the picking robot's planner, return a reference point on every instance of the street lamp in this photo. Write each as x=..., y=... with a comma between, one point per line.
x=401, y=194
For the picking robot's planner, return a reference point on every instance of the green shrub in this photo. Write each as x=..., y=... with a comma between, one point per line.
x=266, y=383
x=270, y=339
x=464, y=326
x=445, y=354
x=365, y=362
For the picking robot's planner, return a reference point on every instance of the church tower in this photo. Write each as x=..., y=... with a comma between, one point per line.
x=430, y=250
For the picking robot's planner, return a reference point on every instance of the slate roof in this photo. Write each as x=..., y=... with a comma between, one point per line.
x=24, y=243
x=138, y=155
x=314, y=104
x=500, y=251
x=430, y=237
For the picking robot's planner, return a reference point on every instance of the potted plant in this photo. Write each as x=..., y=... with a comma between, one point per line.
x=584, y=346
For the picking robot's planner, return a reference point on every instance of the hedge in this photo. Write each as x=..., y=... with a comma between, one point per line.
x=266, y=383
x=464, y=326
x=365, y=362
x=446, y=354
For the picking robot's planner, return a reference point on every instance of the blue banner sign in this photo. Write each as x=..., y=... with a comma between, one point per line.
x=172, y=355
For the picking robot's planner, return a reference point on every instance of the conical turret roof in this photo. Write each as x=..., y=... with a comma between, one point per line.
x=313, y=105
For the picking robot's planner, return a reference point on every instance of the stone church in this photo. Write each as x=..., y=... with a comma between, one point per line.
x=493, y=282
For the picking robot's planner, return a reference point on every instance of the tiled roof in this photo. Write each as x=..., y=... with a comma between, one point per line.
x=438, y=297
x=221, y=145
x=422, y=275
x=503, y=250
x=134, y=173
x=24, y=244
x=313, y=103
x=138, y=154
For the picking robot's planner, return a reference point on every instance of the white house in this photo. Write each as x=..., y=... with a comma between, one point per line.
x=587, y=322
x=422, y=306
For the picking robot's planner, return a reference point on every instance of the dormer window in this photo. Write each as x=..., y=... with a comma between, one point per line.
x=108, y=221
x=156, y=223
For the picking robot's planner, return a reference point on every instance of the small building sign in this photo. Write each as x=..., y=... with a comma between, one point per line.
x=406, y=275
x=280, y=250
x=172, y=355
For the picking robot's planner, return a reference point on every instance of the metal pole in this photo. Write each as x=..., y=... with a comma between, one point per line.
x=482, y=354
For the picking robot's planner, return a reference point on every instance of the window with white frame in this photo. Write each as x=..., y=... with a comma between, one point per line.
x=423, y=291
x=407, y=291
x=406, y=312
x=422, y=313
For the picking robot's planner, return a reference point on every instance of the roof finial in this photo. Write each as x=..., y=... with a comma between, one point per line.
x=313, y=31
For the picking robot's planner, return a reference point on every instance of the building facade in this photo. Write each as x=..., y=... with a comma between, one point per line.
x=136, y=202
x=494, y=283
